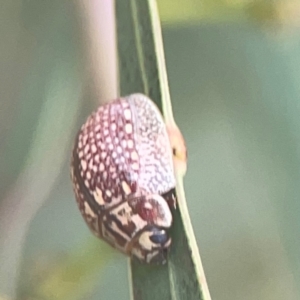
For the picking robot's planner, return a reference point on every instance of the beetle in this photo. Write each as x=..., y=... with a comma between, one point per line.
x=123, y=177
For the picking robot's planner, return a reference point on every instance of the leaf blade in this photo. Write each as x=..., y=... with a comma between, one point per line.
x=142, y=69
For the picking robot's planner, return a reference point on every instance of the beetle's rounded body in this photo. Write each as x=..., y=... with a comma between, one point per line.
x=123, y=177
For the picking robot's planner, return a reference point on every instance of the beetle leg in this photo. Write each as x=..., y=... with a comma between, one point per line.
x=170, y=198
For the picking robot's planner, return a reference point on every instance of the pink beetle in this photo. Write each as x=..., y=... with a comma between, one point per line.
x=123, y=177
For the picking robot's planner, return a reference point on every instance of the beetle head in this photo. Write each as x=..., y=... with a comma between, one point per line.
x=152, y=240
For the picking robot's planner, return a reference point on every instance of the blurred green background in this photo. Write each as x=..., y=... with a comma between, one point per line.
x=234, y=77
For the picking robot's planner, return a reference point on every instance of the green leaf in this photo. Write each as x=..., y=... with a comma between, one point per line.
x=142, y=69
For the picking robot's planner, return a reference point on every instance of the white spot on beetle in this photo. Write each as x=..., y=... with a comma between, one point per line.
x=83, y=164
x=113, y=126
x=101, y=167
x=134, y=155
x=135, y=166
x=98, y=196
x=128, y=128
x=127, y=114
x=88, y=211
x=85, y=137
x=86, y=149
x=112, y=169
x=130, y=144
x=94, y=148
x=126, y=188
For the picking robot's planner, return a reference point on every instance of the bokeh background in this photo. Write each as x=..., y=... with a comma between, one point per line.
x=234, y=74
